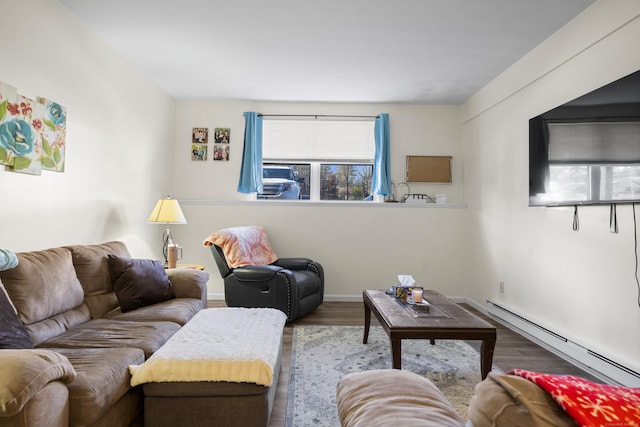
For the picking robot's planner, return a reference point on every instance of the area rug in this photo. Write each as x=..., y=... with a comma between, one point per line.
x=321, y=355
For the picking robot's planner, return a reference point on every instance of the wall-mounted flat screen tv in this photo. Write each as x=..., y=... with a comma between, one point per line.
x=587, y=151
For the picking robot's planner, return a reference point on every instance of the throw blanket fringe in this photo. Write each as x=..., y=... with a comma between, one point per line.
x=589, y=403
x=218, y=344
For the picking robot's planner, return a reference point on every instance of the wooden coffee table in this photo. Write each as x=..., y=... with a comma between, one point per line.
x=445, y=320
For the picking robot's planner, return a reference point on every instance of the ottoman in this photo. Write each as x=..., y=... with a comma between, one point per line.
x=220, y=369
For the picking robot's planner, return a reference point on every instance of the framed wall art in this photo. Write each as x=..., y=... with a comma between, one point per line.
x=53, y=132
x=222, y=138
x=32, y=133
x=222, y=135
x=199, y=141
x=429, y=169
x=221, y=152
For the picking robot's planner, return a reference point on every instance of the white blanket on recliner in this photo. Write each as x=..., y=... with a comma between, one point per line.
x=218, y=344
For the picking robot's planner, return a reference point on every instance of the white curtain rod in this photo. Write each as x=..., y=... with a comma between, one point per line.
x=316, y=116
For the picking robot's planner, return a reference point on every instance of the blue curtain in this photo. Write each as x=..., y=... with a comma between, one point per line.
x=251, y=169
x=381, y=184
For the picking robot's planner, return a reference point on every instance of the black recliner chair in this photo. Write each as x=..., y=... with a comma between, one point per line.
x=295, y=286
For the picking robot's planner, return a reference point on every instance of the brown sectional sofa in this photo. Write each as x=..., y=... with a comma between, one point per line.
x=388, y=397
x=77, y=374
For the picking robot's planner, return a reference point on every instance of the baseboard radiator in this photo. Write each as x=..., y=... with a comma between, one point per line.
x=598, y=365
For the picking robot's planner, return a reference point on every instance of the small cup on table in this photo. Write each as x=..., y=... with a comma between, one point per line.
x=416, y=294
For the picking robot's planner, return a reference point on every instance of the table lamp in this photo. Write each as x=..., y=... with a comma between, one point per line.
x=167, y=211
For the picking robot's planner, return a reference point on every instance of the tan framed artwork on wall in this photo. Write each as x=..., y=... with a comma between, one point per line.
x=429, y=169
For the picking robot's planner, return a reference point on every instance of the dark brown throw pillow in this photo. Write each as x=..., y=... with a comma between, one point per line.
x=139, y=282
x=13, y=334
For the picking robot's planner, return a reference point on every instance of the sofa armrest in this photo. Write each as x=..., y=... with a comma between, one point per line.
x=189, y=283
x=256, y=273
x=293, y=263
x=510, y=400
x=23, y=373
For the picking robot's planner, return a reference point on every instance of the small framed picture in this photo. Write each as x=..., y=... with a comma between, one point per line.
x=221, y=152
x=199, y=141
x=200, y=136
x=199, y=151
x=222, y=135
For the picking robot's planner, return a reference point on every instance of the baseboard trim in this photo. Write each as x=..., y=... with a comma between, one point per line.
x=358, y=298
x=335, y=298
x=594, y=362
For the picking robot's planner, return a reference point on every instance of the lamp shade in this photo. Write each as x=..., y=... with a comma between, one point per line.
x=167, y=211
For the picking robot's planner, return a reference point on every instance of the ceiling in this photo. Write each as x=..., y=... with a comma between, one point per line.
x=402, y=51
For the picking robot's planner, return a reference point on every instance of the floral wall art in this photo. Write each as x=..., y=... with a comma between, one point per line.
x=54, y=133
x=32, y=133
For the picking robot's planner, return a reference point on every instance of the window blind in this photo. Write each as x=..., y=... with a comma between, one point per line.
x=594, y=142
x=318, y=140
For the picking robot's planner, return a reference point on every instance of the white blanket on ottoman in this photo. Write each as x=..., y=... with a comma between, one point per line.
x=218, y=344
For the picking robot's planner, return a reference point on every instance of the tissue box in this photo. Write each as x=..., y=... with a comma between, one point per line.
x=401, y=292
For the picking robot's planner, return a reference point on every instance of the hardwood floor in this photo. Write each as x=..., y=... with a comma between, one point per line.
x=512, y=350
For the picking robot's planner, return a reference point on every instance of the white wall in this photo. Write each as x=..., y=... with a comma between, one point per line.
x=361, y=246
x=120, y=130
x=580, y=284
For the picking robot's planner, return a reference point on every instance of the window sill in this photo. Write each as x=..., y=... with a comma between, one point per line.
x=306, y=203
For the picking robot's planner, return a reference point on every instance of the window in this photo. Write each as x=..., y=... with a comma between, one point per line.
x=341, y=181
x=592, y=182
x=324, y=159
x=593, y=161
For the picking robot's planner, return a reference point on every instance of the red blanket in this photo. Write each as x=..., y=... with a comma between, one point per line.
x=590, y=404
